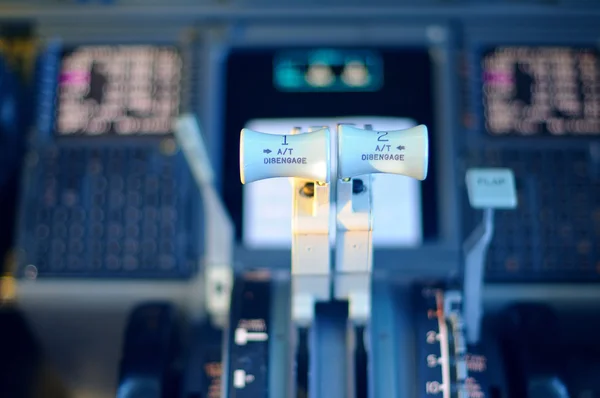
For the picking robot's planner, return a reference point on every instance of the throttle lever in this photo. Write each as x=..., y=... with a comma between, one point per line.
x=362, y=153
x=305, y=157
x=264, y=156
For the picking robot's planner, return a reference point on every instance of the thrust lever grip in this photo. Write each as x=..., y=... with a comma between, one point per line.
x=264, y=156
x=364, y=151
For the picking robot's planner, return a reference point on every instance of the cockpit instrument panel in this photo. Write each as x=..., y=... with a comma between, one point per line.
x=118, y=90
x=109, y=206
x=538, y=107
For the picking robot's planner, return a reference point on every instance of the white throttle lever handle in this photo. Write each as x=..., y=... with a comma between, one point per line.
x=404, y=152
x=264, y=156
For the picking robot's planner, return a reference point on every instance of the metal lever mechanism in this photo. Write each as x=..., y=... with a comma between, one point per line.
x=310, y=244
x=354, y=244
x=306, y=158
x=361, y=154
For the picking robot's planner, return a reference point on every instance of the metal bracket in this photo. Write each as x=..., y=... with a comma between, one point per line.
x=475, y=251
x=310, y=246
x=354, y=245
x=354, y=249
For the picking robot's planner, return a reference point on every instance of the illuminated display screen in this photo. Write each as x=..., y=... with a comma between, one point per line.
x=328, y=70
x=268, y=203
x=543, y=91
x=118, y=90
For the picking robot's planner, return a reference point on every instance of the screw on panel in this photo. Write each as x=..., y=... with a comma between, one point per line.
x=308, y=190
x=31, y=272
x=168, y=147
x=358, y=186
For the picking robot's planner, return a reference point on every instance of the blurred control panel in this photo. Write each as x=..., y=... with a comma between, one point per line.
x=118, y=90
x=328, y=70
x=121, y=204
x=542, y=91
x=541, y=111
x=107, y=192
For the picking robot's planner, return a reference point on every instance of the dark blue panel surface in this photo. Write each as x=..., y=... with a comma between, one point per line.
x=120, y=211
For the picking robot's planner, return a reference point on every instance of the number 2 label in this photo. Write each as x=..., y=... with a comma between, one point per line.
x=381, y=136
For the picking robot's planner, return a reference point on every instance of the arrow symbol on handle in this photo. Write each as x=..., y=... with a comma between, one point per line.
x=400, y=147
x=267, y=151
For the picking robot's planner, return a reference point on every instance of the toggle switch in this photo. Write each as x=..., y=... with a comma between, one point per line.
x=243, y=336
x=404, y=152
x=305, y=156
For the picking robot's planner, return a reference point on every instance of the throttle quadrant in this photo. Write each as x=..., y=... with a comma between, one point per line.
x=320, y=179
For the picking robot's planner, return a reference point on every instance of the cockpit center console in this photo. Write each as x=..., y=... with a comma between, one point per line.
x=333, y=329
